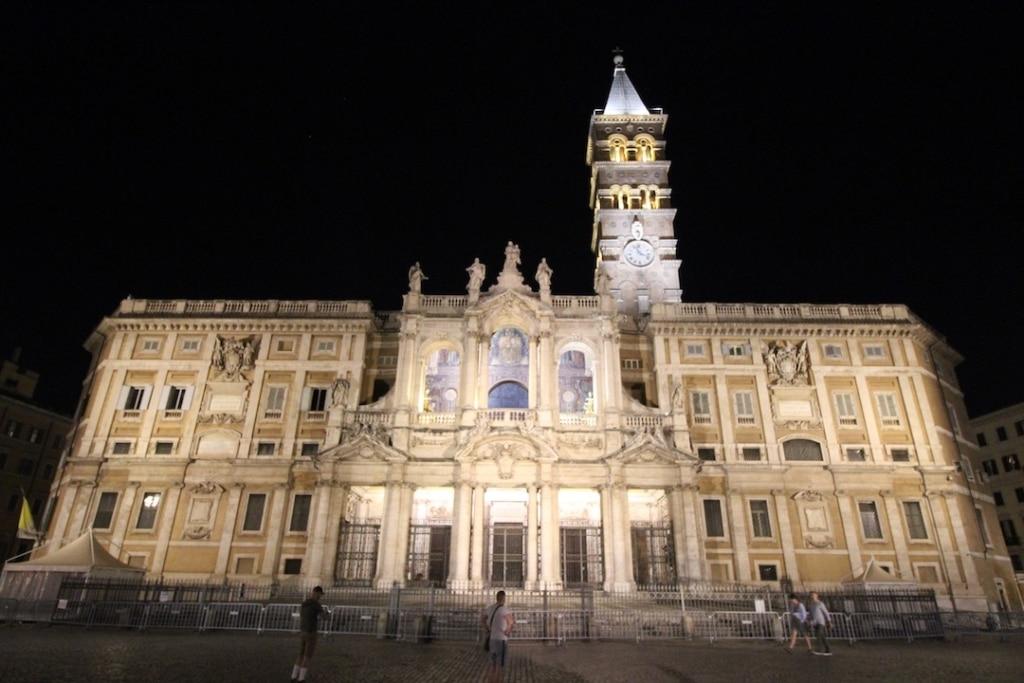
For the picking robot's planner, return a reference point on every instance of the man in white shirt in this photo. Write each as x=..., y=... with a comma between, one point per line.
x=497, y=622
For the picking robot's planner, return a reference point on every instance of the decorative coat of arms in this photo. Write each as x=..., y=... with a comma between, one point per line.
x=787, y=363
x=232, y=357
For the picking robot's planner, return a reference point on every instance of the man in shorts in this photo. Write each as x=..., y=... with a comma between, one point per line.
x=309, y=622
x=497, y=622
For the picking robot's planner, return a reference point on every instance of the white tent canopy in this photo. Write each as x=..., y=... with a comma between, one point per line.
x=40, y=578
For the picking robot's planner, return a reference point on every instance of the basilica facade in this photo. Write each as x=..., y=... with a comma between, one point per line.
x=510, y=436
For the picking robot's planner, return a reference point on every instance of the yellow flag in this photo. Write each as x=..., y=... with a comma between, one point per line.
x=26, y=525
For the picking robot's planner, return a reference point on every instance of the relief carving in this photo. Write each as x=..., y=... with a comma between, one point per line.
x=234, y=356
x=787, y=364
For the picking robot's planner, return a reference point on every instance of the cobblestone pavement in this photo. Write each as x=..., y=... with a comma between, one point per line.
x=59, y=654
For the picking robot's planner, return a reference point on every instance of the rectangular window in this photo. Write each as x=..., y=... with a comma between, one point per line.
x=13, y=429
x=275, y=402
x=701, y=402
x=900, y=455
x=310, y=448
x=874, y=351
x=254, y=512
x=887, y=409
x=164, y=447
x=133, y=398
x=768, y=572
x=317, y=399
x=1020, y=494
x=915, y=520
x=147, y=511
x=300, y=512
x=122, y=448
x=325, y=346
x=190, y=345
x=694, y=349
x=927, y=574
x=105, y=510
x=997, y=496
x=629, y=364
x=856, y=455
x=35, y=435
x=285, y=345
x=245, y=565
x=1017, y=564
x=1019, y=426
x=760, y=521
x=751, y=454
x=990, y=467
x=744, y=401
x=175, y=398
x=25, y=466
x=706, y=453
x=1001, y=433
x=845, y=410
x=1009, y=530
x=982, y=441
x=137, y=561
x=150, y=345
x=734, y=350
x=1010, y=463
x=981, y=525
x=713, y=519
x=293, y=565
x=265, y=448
x=954, y=420
x=389, y=361
x=869, y=520
x=833, y=351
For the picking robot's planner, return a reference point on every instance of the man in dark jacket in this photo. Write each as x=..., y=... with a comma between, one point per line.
x=309, y=621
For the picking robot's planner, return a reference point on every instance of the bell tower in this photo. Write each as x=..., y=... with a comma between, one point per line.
x=633, y=235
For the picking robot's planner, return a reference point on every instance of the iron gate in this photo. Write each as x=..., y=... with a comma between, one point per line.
x=582, y=551
x=508, y=542
x=356, y=563
x=653, y=555
x=429, y=546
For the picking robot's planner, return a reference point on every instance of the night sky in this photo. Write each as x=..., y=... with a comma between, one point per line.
x=175, y=149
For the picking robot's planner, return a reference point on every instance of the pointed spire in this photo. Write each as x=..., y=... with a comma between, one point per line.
x=623, y=97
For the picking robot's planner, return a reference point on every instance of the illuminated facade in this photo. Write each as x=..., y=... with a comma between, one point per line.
x=511, y=436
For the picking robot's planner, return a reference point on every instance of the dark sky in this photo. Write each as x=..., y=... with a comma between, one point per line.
x=185, y=150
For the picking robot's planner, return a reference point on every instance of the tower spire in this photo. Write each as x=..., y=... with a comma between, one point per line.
x=623, y=97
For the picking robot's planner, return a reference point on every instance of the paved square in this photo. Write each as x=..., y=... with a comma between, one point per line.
x=59, y=654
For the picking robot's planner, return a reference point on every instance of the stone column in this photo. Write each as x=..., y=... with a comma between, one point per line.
x=227, y=534
x=913, y=404
x=124, y=514
x=624, y=580
x=318, y=530
x=675, y=507
x=150, y=414
x=694, y=558
x=531, y=537
x=828, y=422
x=850, y=516
x=786, y=534
x=402, y=541
x=764, y=402
x=333, y=532
x=532, y=385
x=462, y=515
x=63, y=515
x=468, y=368
x=739, y=535
x=942, y=534
x=388, y=536
x=608, y=537
x=479, y=538
x=957, y=522
x=867, y=409
x=275, y=528
x=550, y=566
x=163, y=539
x=899, y=541
x=725, y=418
x=86, y=492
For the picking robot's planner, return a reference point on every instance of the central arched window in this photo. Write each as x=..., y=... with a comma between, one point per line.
x=508, y=369
x=575, y=382
x=802, y=449
x=441, y=381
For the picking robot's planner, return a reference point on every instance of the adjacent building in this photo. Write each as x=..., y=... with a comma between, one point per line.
x=996, y=463
x=510, y=436
x=31, y=442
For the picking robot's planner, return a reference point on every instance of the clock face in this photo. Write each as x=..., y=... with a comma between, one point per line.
x=638, y=253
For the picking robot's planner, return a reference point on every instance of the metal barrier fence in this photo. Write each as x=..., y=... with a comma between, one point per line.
x=420, y=622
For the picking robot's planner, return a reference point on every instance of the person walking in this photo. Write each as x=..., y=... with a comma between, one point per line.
x=821, y=621
x=497, y=622
x=309, y=622
x=797, y=623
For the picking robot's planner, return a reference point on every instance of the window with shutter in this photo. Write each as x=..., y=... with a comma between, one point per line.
x=846, y=410
x=915, y=521
x=869, y=521
x=887, y=410
x=760, y=520
x=701, y=407
x=745, y=408
x=713, y=519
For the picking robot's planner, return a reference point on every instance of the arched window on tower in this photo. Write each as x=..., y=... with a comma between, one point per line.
x=441, y=381
x=508, y=369
x=576, y=381
x=645, y=148
x=617, y=148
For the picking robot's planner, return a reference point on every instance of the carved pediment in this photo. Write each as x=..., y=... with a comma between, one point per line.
x=508, y=306
x=506, y=447
x=363, y=447
x=649, y=446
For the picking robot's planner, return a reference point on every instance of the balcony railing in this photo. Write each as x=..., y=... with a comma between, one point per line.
x=234, y=307
x=754, y=312
x=507, y=416
x=171, y=415
x=436, y=419
x=577, y=419
x=130, y=415
x=634, y=421
x=315, y=416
